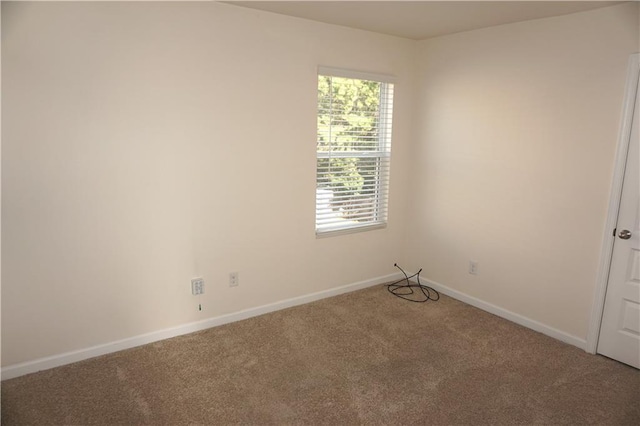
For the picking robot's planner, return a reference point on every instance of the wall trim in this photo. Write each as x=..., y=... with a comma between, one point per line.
x=606, y=251
x=17, y=370
x=508, y=315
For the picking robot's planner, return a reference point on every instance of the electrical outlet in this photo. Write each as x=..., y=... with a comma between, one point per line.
x=473, y=267
x=233, y=279
x=197, y=286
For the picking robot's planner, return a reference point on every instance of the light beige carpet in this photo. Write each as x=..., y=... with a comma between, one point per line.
x=361, y=358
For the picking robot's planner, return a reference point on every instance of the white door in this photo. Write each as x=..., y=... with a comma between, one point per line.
x=620, y=328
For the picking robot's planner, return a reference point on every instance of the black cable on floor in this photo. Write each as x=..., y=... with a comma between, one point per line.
x=406, y=292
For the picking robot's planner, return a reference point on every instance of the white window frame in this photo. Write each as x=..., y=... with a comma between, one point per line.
x=379, y=214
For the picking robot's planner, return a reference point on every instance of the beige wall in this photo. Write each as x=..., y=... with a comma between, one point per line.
x=144, y=144
x=148, y=143
x=517, y=132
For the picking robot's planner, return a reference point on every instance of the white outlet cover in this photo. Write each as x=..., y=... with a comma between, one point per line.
x=197, y=286
x=233, y=279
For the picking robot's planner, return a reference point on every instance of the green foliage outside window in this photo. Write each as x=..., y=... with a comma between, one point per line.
x=348, y=126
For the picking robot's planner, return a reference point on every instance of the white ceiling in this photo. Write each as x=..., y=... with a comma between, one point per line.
x=419, y=20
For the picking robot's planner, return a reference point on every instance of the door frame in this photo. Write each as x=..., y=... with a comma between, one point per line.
x=633, y=72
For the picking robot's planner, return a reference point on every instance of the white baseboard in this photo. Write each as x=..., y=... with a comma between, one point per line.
x=29, y=367
x=34, y=366
x=508, y=315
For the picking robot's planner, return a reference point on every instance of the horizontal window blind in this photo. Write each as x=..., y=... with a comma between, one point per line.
x=353, y=152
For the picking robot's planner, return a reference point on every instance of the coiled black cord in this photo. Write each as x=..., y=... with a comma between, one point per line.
x=406, y=292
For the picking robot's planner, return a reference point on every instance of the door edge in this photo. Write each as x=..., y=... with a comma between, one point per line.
x=615, y=194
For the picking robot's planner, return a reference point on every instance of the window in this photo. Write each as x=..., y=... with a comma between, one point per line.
x=353, y=151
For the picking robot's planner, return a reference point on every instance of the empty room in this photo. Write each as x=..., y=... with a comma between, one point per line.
x=320, y=212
